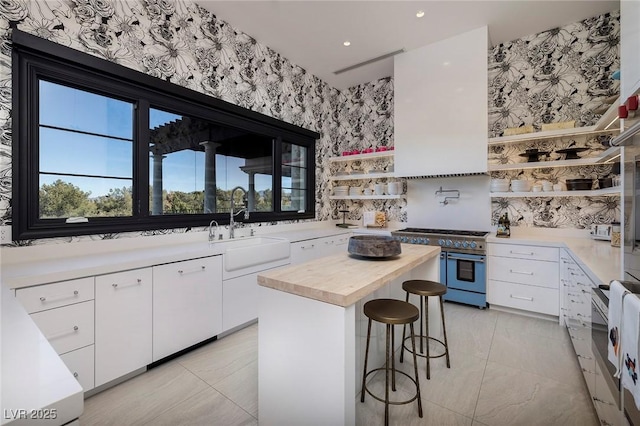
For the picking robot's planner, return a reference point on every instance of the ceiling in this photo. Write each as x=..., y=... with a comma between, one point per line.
x=311, y=33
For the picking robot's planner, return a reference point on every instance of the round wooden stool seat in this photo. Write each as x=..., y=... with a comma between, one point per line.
x=391, y=311
x=424, y=288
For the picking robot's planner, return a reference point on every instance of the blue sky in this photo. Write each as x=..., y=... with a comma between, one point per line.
x=68, y=152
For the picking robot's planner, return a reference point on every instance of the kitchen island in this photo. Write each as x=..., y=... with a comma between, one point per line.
x=312, y=332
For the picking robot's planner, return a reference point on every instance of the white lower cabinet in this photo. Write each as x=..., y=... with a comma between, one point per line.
x=303, y=251
x=240, y=297
x=123, y=323
x=523, y=277
x=187, y=304
x=64, y=313
x=81, y=363
x=67, y=328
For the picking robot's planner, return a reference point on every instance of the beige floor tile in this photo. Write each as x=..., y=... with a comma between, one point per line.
x=371, y=412
x=142, y=397
x=242, y=388
x=208, y=407
x=454, y=388
x=219, y=359
x=552, y=358
x=469, y=330
x=531, y=326
x=511, y=396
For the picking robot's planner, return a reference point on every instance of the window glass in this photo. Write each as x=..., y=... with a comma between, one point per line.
x=72, y=109
x=195, y=164
x=294, y=177
x=86, y=158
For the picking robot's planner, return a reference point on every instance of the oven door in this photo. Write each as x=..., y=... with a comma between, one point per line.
x=466, y=272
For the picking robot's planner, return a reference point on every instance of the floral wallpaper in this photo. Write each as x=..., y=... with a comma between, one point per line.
x=559, y=75
x=180, y=42
x=563, y=74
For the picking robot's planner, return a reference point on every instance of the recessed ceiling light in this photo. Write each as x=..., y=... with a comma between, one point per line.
x=420, y=13
x=347, y=43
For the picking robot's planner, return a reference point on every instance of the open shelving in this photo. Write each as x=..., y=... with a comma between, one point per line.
x=367, y=156
x=606, y=157
x=366, y=197
x=614, y=190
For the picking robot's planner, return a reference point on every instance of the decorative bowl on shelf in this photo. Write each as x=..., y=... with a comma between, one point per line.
x=579, y=184
x=571, y=153
x=533, y=155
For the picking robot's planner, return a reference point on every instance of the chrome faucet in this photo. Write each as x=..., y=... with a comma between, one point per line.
x=232, y=214
x=212, y=235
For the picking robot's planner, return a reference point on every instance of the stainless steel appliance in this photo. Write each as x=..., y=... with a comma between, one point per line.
x=599, y=341
x=462, y=261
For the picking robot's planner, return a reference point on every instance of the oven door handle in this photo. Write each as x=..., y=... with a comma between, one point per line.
x=481, y=260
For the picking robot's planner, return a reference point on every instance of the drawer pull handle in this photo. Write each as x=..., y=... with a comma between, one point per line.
x=522, y=252
x=329, y=242
x=75, y=374
x=575, y=301
x=307, y=247
x=584, y=357
x=202, y=268
x=138, y=282
x=584, y=370
x=520, y=272
x=59, y=296
x=62, y=333
x=529, y=299
x=576, y=338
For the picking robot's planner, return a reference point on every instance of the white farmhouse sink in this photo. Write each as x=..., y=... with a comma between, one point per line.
x=246, y=252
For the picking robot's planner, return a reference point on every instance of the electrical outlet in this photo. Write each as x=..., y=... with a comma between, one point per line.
x=5, y=234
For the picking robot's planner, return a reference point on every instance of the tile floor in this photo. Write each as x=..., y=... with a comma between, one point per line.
x=506, y=369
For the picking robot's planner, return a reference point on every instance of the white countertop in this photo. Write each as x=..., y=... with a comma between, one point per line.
x=103, y=257
x=602, y=261
x=33, y=375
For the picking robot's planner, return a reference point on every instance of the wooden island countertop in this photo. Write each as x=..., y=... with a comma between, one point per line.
x=341, y=279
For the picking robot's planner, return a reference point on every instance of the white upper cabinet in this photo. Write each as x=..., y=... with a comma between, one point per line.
x=629, y=48
x=440, y=107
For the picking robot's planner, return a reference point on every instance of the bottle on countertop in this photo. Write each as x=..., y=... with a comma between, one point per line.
x=503, y=226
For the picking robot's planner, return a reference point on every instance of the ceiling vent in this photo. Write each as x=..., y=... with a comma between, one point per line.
x=370, y=61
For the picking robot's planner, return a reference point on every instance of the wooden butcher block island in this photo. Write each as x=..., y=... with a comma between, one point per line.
x=312, y=330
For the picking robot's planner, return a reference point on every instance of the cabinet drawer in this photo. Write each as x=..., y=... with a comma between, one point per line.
x=49, y=296
x=67, y=328
x=549, y=254
x=529, y=298
x=530, y=272
x=81, y=364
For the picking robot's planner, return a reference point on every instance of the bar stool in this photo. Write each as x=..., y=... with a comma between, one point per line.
x=391, y=312
x=424, y=289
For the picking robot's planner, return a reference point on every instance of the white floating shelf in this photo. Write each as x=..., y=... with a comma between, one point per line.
x=364, y=176
x=605, y=157
x=367, y=156
x=549, y=134
x=615, y=190
x=366, y=197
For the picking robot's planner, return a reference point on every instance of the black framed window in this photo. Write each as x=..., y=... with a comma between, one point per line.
x=99, y=148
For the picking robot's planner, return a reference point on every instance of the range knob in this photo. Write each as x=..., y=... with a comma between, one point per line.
x=414, y=240
x=403, y=239
x=457, y=244
x=421, y=241
x=473, y=244
x=449, y=243
x=465, y=244
x=426, y=241
x=441, y=242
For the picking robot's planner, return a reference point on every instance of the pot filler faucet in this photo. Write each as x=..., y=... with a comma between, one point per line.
x=232, y=214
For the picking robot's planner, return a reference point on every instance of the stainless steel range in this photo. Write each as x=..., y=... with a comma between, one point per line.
x=462, y=261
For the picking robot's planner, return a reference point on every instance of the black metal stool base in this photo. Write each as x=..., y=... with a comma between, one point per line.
x=415, y=396
x=424, y=355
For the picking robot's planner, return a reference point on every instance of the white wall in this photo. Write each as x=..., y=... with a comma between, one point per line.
x=471, y=212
